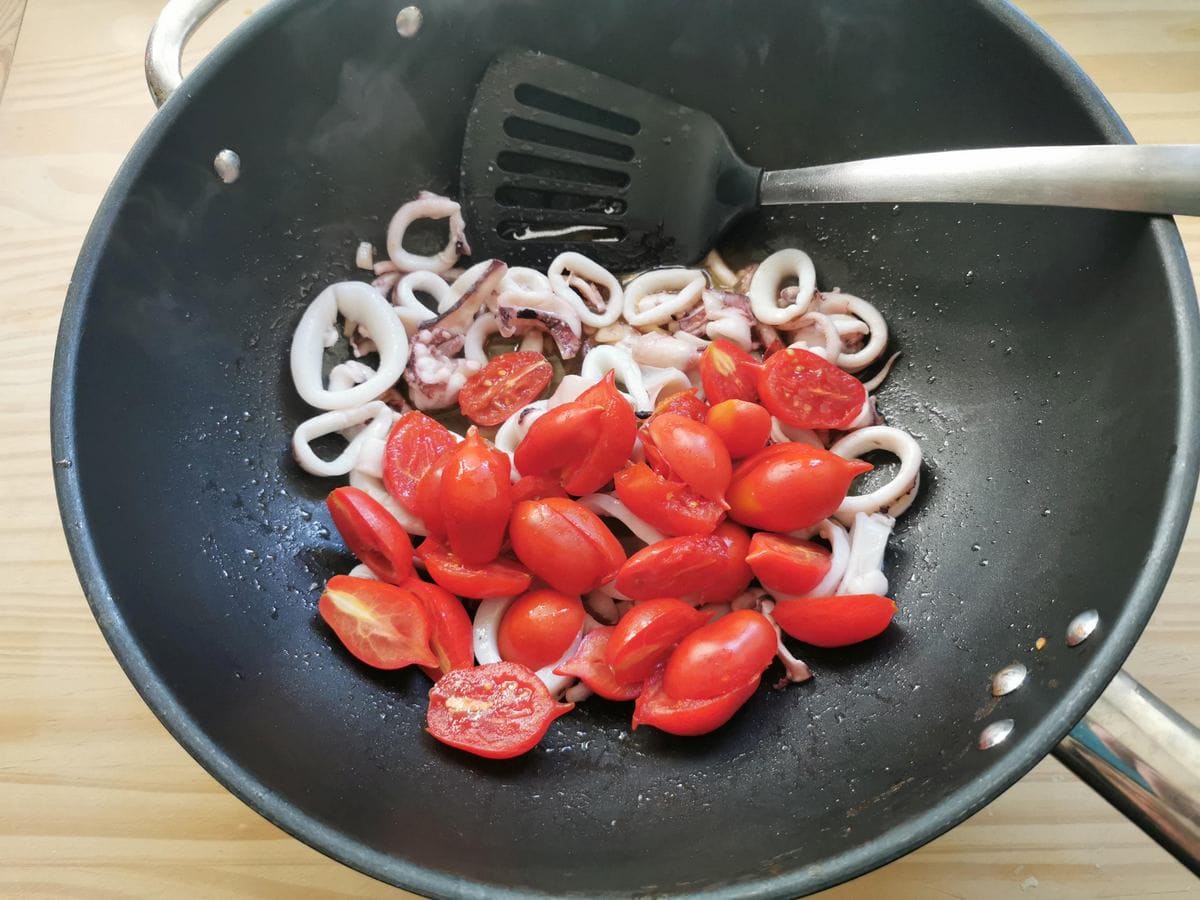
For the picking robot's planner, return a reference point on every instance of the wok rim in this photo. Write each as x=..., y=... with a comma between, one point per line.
x=1030, y=748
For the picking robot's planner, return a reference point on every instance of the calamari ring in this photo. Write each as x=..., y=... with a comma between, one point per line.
x=427, y=206
x=591, y=271
x=674, y=291
x=485, y=631
x=877, y=339
x=897, y=495
x=377, y=413
x=767, y=279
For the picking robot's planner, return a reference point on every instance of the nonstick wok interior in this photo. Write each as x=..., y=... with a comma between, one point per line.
x=1048, y=449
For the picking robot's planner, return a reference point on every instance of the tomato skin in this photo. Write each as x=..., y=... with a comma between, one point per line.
x=503, y=386
x=499, y=578
x=787, y=565
x=557, y=438
x=786, y=487
x=497, y=711
x=590, y=665
x=669, y=506
x=428, y=498
x=381, y=624
x=415, y=442
x=743, y=427
x=613, y=445
x=646, y=635
x=685, y=403
x=476, y=499
x=720, y=656
x=565, y=544
x=835, y=621
x=692, y=453
x=538, y=627
x=450, y=636
x=536, y=487
x=697, y=569
x=372, y=533
x=728, y=372
x=687, y=718
x=807, y=391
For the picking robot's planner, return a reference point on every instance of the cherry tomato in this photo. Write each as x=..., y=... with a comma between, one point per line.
x=612, y=448
x=691, y=452
x=450, y=635
x=497, y=711
x=413, y=445
x=647, y=634
x=536, y=487
x=503, y=386
x=834, y=621
x=476, y=499
x=685, y=403
x=667, y=505
x=590, y=666
x=381, y=624
x=728, y=373
x=743, y=427
x=721, y=656
x=499, y=578
x=428, y=498
x=790, y=486
x=659, y=709
x=804, y=390
x=538, y=627
x=372, y=533
x=697, y=569
x=565, y=544
x=774, y=347
x=558, y=439
x=787, y=565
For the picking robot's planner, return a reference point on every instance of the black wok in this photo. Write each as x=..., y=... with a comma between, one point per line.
x=1049, y=371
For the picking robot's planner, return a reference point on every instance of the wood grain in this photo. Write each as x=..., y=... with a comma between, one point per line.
x=11, y=12
x=96, y=800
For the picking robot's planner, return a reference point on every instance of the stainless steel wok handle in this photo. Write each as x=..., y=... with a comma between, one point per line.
x=176, y=23
x=1162, y=178
x=1144, y=758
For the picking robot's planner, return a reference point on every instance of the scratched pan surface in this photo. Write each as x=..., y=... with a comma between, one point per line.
x=1048, y=371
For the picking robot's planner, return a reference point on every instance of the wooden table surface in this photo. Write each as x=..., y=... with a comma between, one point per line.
x=97, y=800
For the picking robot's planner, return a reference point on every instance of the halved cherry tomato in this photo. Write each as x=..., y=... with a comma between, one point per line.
x=558, y=439
x=685, y=403
x=804, y=390
x=536, y=487
x=476, y=499
x=697, y=569
x=497, y=711
x=450, y=635
x=728, y=373
x=428, y=498
x=690, y=451
x=742, y=426
x=790, y=486
x=499, y=578
x=659, y=709
x=503, y=386
x=538, y=627
x=413, y=445
x=565, y=544
x=835, y=621
x=381, y=624
x=667, y=505
x=787, y=565
x=647, y=634
x=372, y=533
x=612, y=448
x=590, y=665
x=721, y=656
x=774, y=347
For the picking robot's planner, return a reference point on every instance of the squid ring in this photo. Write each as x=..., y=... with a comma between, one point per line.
x=427, y=206
x=897, y=495
x=377, y=413
x=580, y=266
x=484, y=636
x=877, y=339
x=672, y=291
x=764, y=286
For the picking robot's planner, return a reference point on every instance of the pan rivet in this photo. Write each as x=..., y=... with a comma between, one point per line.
x=408, y=21
x=1082, y=626
x=228, y=166
x=996, y=733
x=1008, y=679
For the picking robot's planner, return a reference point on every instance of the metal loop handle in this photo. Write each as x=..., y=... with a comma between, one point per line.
x=176, y=23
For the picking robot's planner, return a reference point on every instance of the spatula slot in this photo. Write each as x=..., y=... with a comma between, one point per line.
x=548, y=101
x=529, y=164
x=531, y=198
x=537, y=133
x=527, y=232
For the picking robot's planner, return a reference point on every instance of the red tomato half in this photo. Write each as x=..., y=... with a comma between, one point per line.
x=503, y=386
x=476, y=499
x=787, y=565
x=742, y=426
x=450, y=635
x=372, y=533
x=558, y=439
x=612, y=448
x=413, y=445
x=565, y=544
x=538, y=627
x=428, y=498
x=696, y=568
x=498, y=711
x=687, y=717
x=536, y=487
x=834, y=621
x=728, y=373
x=804, y=390
x=685, y=403
x=498, y=578
x=721, y=656
x=691, y=452
x=590, y=665
x=381, y=624
x=669, y=506
x=790, y=486
x=647, y=634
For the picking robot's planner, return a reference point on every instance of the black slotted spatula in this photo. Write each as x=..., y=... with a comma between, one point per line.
x=557, y=157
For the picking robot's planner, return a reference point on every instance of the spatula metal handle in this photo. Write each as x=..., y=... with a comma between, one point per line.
x=1162, y=178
